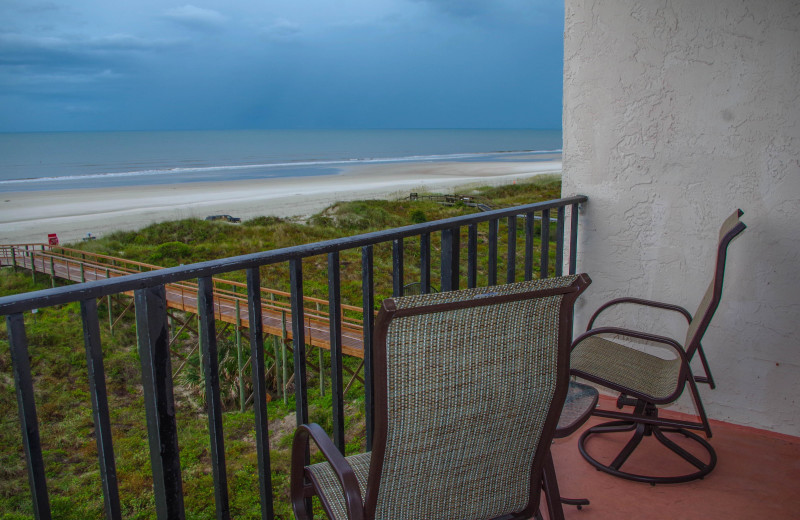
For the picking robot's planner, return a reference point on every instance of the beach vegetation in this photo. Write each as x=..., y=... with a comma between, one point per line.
x=171, y=252
x=61, y=384
x=418, y=216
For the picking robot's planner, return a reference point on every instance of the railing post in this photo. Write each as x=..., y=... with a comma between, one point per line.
x=511, y=260
x=397, y=267
x=299, y=344
x=276, y=347
x=284, y=367
x=162, y=433
x=472, y=256
x=529, y=228
x=494, y=229
x=110, y=315
x=450, y=258
x=208, y=339
x=102, y=422
x=26, y=403
x=544, y=258
x=321, y=357
x=560, y=241
x=425, y=263
x=298, y=340
x=573, y=239
x=240, y=356
x=337, y=380
x=368, y=304
x=260, y=391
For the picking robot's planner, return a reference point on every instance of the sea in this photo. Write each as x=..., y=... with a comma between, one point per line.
x=76, y=160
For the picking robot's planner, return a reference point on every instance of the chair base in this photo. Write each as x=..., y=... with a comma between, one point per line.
x=577, y=502
x=640, y=430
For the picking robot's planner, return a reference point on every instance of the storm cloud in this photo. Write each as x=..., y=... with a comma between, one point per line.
x=98, y=65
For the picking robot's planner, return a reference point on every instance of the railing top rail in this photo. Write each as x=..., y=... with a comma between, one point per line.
x=100, y=288
x=106, y=257
x=35, y=244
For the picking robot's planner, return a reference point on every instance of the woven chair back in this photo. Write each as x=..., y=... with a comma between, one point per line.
x=473, y=384
x=708, y=305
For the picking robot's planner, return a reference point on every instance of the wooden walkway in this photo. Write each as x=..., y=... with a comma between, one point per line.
x=230, y=298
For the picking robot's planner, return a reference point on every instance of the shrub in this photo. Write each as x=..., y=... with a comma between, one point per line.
x=418, y=216
x=171, y=252
x=263, y=221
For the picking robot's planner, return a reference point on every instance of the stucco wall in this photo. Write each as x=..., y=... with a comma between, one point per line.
x=675, y=114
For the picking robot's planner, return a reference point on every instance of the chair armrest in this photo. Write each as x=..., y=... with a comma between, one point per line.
x=639, y=301
x=677, y=347
x=343, y=471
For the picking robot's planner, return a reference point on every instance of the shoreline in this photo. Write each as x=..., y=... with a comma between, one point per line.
x=28, y=216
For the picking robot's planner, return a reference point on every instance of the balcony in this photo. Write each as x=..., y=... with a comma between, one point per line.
x=755, y=477
x=539, y=240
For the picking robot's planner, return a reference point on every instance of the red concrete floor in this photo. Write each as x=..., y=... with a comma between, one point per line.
x=757, y=477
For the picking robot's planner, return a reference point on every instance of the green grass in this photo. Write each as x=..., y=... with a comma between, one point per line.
x=62, y=390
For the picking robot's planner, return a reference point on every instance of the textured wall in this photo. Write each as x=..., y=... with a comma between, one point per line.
x=675, y=114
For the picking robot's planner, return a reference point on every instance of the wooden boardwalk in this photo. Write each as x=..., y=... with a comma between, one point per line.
x=230, y=298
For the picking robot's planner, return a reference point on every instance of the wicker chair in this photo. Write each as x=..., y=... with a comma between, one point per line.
x=468, y=388
x=645, y=380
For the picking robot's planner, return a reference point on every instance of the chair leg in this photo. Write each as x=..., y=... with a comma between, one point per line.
x=642, y=430
x=638, y=435
x=553, y=495
x=659, y=433
x=551, y=492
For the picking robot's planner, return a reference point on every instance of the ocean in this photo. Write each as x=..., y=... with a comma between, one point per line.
x=72, y=160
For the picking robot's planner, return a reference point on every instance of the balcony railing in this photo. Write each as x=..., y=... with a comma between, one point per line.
x=149, y=290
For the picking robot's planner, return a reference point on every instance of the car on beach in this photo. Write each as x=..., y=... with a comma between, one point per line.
x=226, y=218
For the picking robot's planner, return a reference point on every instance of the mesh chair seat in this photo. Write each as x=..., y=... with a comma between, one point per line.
x=468, y=388
x=642, y=372
x=328, y=486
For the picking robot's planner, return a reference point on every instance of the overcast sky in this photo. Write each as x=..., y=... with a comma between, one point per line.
x=236, y=64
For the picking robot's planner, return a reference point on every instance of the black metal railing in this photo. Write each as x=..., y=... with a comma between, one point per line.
x=154, y=349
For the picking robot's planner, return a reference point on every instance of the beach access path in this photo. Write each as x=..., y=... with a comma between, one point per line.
x=29, y=216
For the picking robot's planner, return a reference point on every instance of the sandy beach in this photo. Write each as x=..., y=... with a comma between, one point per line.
x=27, y=217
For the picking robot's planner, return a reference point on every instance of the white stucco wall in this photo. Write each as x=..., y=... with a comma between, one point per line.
x=675, y=114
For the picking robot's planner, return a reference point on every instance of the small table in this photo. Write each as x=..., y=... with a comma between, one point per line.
x=581, y=400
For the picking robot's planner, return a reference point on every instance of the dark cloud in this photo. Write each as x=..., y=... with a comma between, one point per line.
x=19, y=49
x=297, y=64
x=506, y=12
x=126, y=43
x=34, y=7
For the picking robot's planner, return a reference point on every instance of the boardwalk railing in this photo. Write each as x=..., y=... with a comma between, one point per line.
x=230, y=297
x=150, y=296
